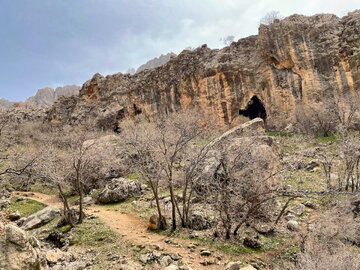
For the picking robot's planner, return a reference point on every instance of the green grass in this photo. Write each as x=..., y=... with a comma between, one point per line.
x=93, y=233
x=26, y=207
x=279, y=134
x=323, y=139
x=133, y=176
x=43, y=189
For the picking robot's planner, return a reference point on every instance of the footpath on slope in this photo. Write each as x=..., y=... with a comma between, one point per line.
x=134, y=230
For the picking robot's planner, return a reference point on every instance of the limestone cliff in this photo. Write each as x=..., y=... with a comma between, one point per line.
x=298, y=61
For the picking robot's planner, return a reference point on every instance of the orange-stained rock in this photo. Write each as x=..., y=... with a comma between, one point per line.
x=298, y=61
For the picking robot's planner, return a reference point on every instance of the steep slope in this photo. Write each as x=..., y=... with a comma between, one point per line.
x=298, y=62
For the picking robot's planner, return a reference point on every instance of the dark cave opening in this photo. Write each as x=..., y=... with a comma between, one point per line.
x=254, y=109
x=137, y=110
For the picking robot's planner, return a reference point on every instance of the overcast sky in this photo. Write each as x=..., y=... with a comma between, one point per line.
x=59, y=42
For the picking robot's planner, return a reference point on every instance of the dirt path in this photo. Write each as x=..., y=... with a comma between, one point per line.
x=134, y=230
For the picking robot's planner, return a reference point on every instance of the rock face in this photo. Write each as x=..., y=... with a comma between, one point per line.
x=120, y=190
x=40, y=218
x=16, y=251
x=296, y=63
x=46, y=97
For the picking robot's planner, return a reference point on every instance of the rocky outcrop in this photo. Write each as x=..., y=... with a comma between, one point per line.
x=40, y=218
x=46, y=97
x=247, y=139
x=119, y=190
x=16, y=251
x=293, y=64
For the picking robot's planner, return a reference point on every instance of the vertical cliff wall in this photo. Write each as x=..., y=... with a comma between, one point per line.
x=297, y=62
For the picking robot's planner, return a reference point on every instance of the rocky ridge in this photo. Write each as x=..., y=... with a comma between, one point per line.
x=298, y=62
x=44, y=97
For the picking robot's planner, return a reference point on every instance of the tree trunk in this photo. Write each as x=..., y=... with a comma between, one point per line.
x=173, y=207
x=67, y=210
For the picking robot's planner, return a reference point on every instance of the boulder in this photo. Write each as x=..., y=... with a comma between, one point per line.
x=171, y=267
x=292, y=225
x=251, y=242
x=53, y=256
x=200, y=221
x=232, y=266
x=15, y=216
x=166, y=260
x=40, y=218
x=298, y=209
x=16, y=251
x=248, y=267
x=119, y=190
x=86, y=200
x=260, y=149
x=205, y=253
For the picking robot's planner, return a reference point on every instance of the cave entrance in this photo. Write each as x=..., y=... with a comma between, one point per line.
x=254, y=109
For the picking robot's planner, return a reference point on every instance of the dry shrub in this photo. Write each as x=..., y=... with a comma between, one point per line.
x=333, y=241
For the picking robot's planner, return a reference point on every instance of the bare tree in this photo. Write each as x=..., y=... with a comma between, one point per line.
x=228, y=40
x=162, y=149
x=270, y=17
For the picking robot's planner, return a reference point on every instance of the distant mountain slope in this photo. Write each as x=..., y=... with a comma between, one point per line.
x=157, y=61
x=45, y=97
x=6, y=104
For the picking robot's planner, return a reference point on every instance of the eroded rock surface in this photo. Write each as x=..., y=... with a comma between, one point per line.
x=298, y=62
x=119, y=190
x=16, y=251
x=40, y=218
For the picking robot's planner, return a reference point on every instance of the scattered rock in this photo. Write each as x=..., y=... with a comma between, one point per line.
x=15, y=216
x=298, y=209
x=251, y=243
x=290, y=216
x=205, y=253
x=248, y=267
x=144, y=258
x=309, y=204
x=312, y=165
x=232, y=266
x=166, y=261
x=175, y=256
x=171, y=267
x=53, y=256
x=86, y=200
x=40, y=218
x=292, y=225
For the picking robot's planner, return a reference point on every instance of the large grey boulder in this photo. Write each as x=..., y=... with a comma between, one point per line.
x=250, y=140
x=16, y=252
x=119, y=190
x=40, y=218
